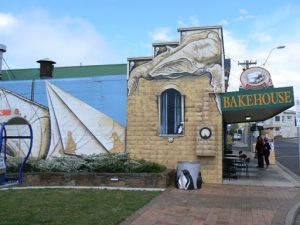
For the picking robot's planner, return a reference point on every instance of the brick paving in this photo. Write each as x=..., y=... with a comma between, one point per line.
x=219, y=205
x=265, y=197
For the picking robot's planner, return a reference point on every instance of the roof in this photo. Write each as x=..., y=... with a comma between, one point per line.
x=66, y=72
x=289, y=112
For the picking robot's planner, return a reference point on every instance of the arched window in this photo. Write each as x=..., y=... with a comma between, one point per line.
x=171, y=112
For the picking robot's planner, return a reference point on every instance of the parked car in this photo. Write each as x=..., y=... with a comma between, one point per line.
x=236, y=137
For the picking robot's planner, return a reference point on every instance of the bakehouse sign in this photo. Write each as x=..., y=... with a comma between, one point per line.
x=266, y=97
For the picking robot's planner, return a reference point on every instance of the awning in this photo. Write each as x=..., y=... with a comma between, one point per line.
x=255, y=105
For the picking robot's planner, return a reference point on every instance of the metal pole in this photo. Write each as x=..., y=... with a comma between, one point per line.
x=249, y=137
x=297, y=120
x=298, y=129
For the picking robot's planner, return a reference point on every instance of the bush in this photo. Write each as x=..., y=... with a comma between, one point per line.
x=103, y=163
x=59, y=164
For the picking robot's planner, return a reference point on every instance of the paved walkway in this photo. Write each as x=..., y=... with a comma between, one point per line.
x=275, y=176
x=267, y=197
x=219, y=205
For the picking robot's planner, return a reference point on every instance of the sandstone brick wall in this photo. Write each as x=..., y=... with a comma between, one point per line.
x=134, y=180
x=143, y=138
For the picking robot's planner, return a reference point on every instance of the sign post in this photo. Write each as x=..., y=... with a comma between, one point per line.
x=298, y=125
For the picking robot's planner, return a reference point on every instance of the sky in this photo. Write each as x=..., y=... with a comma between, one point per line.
x=74, y=33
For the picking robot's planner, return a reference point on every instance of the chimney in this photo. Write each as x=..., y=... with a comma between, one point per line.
x=2, y=49
x=46, y=68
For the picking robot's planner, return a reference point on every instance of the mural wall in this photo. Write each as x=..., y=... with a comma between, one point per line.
x=173, y=103
x=199, y=53
x=13, y=105
x=65, y=124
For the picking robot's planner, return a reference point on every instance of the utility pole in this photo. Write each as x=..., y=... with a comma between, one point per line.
x=246, y=63
x=297, y=100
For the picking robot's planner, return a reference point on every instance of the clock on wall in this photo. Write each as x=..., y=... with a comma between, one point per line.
x=205, y=133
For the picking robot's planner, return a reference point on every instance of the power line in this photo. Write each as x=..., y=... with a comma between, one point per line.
x=232, y=59
x=8, y=69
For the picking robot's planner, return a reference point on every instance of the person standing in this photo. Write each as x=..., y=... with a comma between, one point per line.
x=260, y=151
x=267, y=148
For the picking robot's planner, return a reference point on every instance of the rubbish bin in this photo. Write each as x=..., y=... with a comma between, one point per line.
x=188, y=175
x=2, y=171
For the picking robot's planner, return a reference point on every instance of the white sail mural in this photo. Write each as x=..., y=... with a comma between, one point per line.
x=77, y=128
x=13, y=105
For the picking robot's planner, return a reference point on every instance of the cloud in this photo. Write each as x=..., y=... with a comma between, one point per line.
x=161, y=34
x=7, y=20
x=245, y=15
x=283, y=64
x=265, y=33
x=262, y=37
x=7, y=23
x=192, y=21
x=181, y=23
x=36, y=34
x=146, y=45
x=284, y=67
x=235, y=50
x=224, y=22
x=243, y=11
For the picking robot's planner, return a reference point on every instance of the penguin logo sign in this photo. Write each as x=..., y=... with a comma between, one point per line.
x=205, y=133
x=185, y=180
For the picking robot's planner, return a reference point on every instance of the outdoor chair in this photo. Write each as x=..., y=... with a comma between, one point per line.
x=241, y=159
x=242, y=166
x=229, y=169
x=243, y=156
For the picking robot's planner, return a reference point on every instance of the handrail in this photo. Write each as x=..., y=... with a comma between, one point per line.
x=27, y=156
x=4, y=137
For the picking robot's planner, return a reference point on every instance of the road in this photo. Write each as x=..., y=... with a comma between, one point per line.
x=287, y=153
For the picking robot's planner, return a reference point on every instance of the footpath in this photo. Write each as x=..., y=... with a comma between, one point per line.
x=266, y=197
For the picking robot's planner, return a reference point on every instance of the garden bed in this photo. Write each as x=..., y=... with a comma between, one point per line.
x=114, y=170
x=131, y=180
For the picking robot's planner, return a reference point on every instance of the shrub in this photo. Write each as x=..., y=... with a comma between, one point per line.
x=102, y=163
x=59, y=164
x=13, y=164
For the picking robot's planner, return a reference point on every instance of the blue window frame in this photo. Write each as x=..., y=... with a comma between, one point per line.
x=171, y=112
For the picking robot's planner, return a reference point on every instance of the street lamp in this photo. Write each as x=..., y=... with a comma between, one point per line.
x=278, y=47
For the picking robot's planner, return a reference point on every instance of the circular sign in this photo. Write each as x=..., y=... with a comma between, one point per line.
x=256, y=77
x=205, y=133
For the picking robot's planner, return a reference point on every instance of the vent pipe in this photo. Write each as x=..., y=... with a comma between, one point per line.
x=2, y=49
x=46, y=68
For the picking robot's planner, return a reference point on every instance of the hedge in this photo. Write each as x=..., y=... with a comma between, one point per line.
x=102, y=163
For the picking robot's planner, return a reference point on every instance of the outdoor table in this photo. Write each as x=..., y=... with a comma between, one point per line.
x=231, y=155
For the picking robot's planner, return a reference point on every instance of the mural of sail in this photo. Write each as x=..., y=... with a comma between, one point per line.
x=77, y=128
x=13, y=105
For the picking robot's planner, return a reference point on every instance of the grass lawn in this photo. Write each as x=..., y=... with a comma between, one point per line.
x=70, y=206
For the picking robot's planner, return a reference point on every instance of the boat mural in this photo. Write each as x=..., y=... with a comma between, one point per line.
x=68, y=126
x=13, y=105
x=77, y=128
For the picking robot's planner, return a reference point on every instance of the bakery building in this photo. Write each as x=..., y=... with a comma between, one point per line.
x=169, y=107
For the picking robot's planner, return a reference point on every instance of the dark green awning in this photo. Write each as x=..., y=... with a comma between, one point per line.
x=256, y=105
